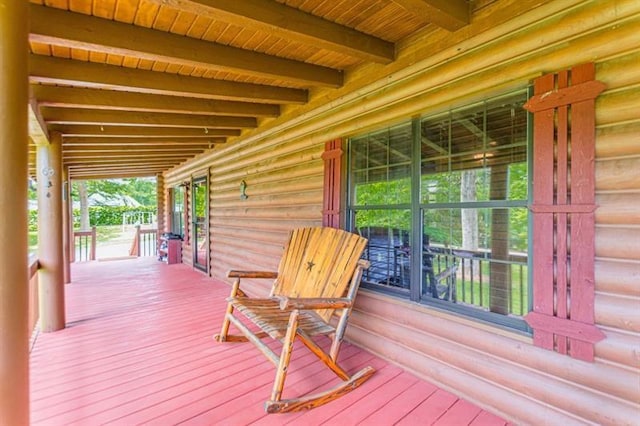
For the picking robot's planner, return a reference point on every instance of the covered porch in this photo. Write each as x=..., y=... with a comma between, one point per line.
x=257, y=117
x=138, y=349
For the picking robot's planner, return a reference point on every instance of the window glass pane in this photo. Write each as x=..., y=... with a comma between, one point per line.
x=381, y=167
x=476, y=257
x=477, y=161
x=178, y=211
x=388, y=249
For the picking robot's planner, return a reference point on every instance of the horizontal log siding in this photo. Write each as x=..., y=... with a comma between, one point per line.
x=284, y=189
x=507, y=44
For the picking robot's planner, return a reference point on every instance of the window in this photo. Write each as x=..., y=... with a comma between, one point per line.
x=177, y=211
x=443, y=201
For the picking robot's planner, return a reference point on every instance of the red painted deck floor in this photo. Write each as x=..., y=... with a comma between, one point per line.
x=138, y=350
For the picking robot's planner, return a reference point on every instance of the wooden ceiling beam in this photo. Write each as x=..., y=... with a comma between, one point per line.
x=115, y=166
x=91, y=130
x=38, y=132
x=104, y=117
x=128, y=153
x=77, y=97
x=71, y=150
x=138, y=142
x=50, y=70
x=112, y=174
x=142, y=160
x=448, y=14
x=78, y=31
x=290, y=24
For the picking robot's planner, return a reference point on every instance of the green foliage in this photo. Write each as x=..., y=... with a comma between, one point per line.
x=33, y=220
x=109, y=215
x=98, y=215
x=443, y=224
x=143, y=190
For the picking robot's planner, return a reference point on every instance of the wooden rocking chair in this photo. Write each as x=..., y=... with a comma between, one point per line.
x=319, y=274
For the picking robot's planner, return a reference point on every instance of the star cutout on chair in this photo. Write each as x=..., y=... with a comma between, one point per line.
x=310, y=265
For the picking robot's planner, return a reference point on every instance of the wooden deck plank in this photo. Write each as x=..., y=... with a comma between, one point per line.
x=460, y=413
x=486, y=418
x=431, y=409
x=401, y=405
x=251, y=409
x=138, y=349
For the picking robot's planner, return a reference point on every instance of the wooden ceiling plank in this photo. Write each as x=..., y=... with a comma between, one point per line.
x=75, y=97
x=74, y=30
x=46, y=69
x=89, y=130
x=448, y=14
x=291, y=24
x=105, y=117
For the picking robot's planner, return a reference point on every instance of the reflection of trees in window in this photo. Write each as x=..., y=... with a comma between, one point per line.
x=475, y=160
x=473, y=190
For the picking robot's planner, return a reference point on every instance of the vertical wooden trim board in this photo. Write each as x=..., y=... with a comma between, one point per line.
x=563, y=211
x=332, y=183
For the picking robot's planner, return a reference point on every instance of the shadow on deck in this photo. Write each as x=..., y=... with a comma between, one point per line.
x=138, y=349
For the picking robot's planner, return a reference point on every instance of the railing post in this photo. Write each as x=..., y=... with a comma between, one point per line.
x=92, y=253
x=138, y=240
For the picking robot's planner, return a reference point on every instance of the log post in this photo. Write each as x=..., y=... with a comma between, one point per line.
x=14, y=303
x=138, y=240
x=72, y=235
x=51, y=282
x=94, y=242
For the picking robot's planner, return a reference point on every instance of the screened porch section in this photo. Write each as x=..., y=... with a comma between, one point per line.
x=443, y=201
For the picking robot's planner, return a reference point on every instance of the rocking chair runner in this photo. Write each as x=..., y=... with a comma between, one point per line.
x=319, y=274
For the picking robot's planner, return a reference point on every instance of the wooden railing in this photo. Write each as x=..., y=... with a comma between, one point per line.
x=34, y=312
x=84, y=245
x=145, y=242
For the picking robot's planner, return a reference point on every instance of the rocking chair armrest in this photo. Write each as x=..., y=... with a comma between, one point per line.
x=314, y=302
x=251, y=274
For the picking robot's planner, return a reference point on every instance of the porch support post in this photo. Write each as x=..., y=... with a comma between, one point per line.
x=51, y=282
x=71, y=236
x=14, y=305
x=66, y=197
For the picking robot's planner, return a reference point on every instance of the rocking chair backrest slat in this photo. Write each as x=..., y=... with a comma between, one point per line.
x=318, y=262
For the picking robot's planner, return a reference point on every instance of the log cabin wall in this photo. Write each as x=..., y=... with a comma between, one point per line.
x=507, y=44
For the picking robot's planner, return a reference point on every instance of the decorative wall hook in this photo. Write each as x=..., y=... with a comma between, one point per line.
x=243, y=189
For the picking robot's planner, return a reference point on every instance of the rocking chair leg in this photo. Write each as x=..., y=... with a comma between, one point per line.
x=222, y=337
x=283, y=365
